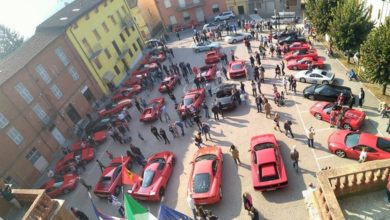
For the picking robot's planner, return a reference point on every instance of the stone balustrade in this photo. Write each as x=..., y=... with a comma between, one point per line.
x=344, y=181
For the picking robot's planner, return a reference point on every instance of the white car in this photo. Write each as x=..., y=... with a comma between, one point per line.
x=316, y=76
x=225, y=16
x=205, y=46
x=234, y=38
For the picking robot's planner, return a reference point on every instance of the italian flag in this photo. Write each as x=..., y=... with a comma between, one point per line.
x=135, y=211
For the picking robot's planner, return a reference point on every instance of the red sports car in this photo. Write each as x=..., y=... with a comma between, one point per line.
x=110, y=181
x=57, y=186
x=303, y=63
x=157, y=171
x=169, y=82
x=153, y=111
x=299, y=46
x=112, y=108
x=153, y=56
x=268, y=171
x=237, y=69
x=349, y=144
x=300, y=54
x=208, y=71
x=134, y=80
x=192, y=100
x=85, y=155
x=213, y=57
x=126, y=92
x=352, y=119
x=206, y=176
x=78, y=145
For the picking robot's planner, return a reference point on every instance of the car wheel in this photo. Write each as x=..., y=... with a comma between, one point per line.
x=174, y=161
x=196, y=50
x=161, y=192
x=295, y=68
x=347, y=127
x=234, y=41
x=325, y=82
x=340, y=153
x=318, y=116
x=311, y=97
x=65, y=191
x=220, y=192
x=117, y=191
x=302, y=80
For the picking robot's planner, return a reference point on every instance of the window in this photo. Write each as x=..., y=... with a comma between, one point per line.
x=139, y=43
x=86, y=45
x=73, y=73
x=131, y=53
x=182, y=3
x=33, y=155
x=105, y=27
x=107, y=52
x=117, y=71
x=113, y=19
x=186, y=15
x=43, y=73
x=88, y=94
x=97, y=63
x=132, y=28
x=127, y=32
x=15, y=136
x=62, y=56
x=73, y=114
x=3, y=121
x=119, y=14
x=56, y=91
x=115, y=45
x=167, y=3
x=122, y=37
x=173, y=20
x=124, y=9
x=135, y=47
x=97, y=35
x=41, y=114
x=21, y=89
x=215, y=8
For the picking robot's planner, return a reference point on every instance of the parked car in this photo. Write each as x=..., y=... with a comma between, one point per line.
x=134, y=80
x=206, y=176
x=349, y=144
x=297, y=54
x=225, y=96
x=126, y=93
x=207, y=71
x=98, y=129
x=110, y=180
x=316, y=76
x=153, y=44
x=156, y=174
x=237, y=37
x=283, y=34
x=85, y=155
x=237, y=69
x=268, y=170
x=192, y=99
x=60, y=185
x=205, y=46
x=225, y=16
x=213, y=26
x=352, y=120
x=168, y=82
x=213, y=56
x=80, y=144
x=113, y=108
x=303, y=63
x=299, y=46
x=291, y=39
x=153, y=111
x=326, y=92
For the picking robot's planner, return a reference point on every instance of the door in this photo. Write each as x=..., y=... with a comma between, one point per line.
x=73, y=114
x=58, y=136
x=88, y=95
x=199, y=14
x=241, y=10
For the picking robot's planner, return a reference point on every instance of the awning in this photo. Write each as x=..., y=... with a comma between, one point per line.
x=108, y=76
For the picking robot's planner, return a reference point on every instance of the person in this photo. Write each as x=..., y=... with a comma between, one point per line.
x=252, y=60
x=352, y=75
x=198, y=139
x=283, y=66
x=78, y=214
x=138, y=105
x=247, y=200
x=206, y=130
x=388, y=127
x=138, y=154
x=6, y=193
x=210, y=216
x=173, y=130
x=177, y=35
x=310, y=137
x=196, y=118
x=332, y=117
x=215, y=111
x=294, y=86
x=110, y=155
x=294, y=155
x=277, y=71
x=254, y=88
x=242, y=85
x=101, y=166
x=191, y=204
x=164, y=136
x=164, y=112
x=287, y=127
x=259, y=102
x=201, y=213
x=362, y=95
x=220, y=110
x=235, y=154
x=340, y=117
x=209, y=89
x=276, y=120
x=181, y=126
x=267, y=107
x=351, y=101
x=388, y=190
x=82, y=182
x=155, y=133
x=243, y=97
x=206, y=110
x=363, y=155
x=340, y=99
x=114, y=201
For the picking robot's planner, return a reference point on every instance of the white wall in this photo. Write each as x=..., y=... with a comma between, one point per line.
x=380, y=10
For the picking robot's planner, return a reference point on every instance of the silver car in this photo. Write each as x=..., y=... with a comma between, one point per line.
x=316, y=76
x=225, y=96
x=234, y=38
x=205, y=46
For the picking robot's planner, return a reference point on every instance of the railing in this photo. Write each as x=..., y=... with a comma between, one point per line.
x=96, y=50
x=187, y=6
x=340, y=182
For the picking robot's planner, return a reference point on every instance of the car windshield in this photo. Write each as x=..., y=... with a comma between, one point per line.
x=237, y=66
x=188, y=101
x=263, y=146
x=383, y=144
x=148, y=178
x=320, y=88
x=201, y=183
x=352, y=139
x=206, y=157
x=224, y=93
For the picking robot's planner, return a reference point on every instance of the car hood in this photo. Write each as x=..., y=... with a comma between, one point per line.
x=225, y=100
x=354, y=114
x=337, y=138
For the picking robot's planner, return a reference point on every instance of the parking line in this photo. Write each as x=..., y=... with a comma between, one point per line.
x=324, y=157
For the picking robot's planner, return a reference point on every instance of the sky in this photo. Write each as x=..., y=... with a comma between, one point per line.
x=23, y=16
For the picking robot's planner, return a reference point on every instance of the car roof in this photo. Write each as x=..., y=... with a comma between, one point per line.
x=266, y=156
x=268, y=170
x=203, y=166
x=368, y=139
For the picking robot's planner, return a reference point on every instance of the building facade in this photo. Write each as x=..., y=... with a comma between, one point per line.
x=187, y=12
x=264, y=8
x=45, y=90
x=379, y=10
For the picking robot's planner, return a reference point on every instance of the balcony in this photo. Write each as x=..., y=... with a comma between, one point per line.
x=123, y=53
x=126, y=22
x=193, y=4
x=95, y=51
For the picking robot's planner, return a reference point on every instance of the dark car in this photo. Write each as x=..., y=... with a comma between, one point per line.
x=291, y=39
x=326, y=92
x=284, y=34
x=225, y=96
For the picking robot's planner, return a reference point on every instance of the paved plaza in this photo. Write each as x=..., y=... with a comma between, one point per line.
x=237, y=128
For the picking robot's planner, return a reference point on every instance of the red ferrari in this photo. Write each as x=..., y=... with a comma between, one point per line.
x=297, y=54
x=126, y=93
x=208, y=71
x=112, y=108
x=78, y=145
x=352, y=119
x=237, y=69
x=157, y=171
x=268, y=171
x=213, y=57
x=58, y=186
x=168, y=82
x=153, y=111
x=206, y=176
x=349, y=144
x=303, y=63
x=85, y=155
x=299, y=46
x=192, y=100
x=134, y=80
x=110, y=181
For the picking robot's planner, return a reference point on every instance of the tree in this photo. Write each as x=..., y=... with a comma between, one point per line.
x=9, y=41
x=375, y=55
x=350, y=26
x=320, y=14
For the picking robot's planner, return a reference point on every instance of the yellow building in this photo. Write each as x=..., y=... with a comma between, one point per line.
x=105, y=36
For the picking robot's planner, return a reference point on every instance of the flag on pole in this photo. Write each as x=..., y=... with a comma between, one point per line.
x=100, y=215
x=135, y=211
x=171, y=214
x=128, y=177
